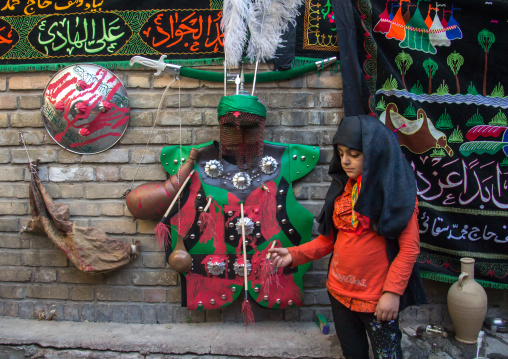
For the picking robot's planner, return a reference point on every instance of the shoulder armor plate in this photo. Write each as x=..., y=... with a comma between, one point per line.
x=171, y=159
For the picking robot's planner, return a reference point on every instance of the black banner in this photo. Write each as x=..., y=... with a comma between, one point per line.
x=434, y=72
x=46, y=34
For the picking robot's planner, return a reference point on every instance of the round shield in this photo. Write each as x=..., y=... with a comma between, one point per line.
x=86, y=109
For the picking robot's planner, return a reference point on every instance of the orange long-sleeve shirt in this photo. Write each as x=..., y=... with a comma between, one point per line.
x=359, y=269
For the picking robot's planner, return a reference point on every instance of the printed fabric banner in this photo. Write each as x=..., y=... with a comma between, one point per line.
x=434, y=72
x=48, y=34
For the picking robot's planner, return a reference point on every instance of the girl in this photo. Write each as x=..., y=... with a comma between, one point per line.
x=369, y=224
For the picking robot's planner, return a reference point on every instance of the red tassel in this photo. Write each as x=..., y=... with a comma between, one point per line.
x=269, y=276
x=162, y=235
x=248, y=316
x=268, y=212
x=207, y=227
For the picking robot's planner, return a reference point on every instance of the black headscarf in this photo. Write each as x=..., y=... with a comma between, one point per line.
x=388, y=192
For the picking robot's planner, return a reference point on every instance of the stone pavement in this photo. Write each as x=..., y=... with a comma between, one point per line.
x=21, y=339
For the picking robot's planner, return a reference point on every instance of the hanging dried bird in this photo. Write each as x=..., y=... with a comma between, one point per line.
x=234, y=27
x=88, y=248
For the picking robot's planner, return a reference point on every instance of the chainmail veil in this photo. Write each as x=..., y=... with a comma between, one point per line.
x=241, y=129
x=241, y=137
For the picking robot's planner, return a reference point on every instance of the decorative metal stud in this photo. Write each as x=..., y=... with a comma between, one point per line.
x=298, y=172
x=231, y=238
x=230, y=213
x=224, y=297
x=290, y=302
x=279, y=207
x=199, y=196
x=212, y=301
x=231, y=225
x=216, y=266
x=192, y=236
x=200, y=209
x=302, y=158
x=81, y=85
x=268, y=165
x=291, y=231
x=248, y=225
x=199, y=223
x=258, y=235
x=213, y=168
x=258, y=223
x=241, y=180
x=200, y=304
x=256, y=289
x=313, y=156
x=183, y=160
x=265, y=298
x=238, y=267
x=295, y=157
x=281, y=192
x=104, y=106
x=284, y=221
x=175, y=162
x=233, y=289
x=277, y=301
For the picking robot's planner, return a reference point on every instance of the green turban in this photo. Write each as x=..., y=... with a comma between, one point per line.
x=241, y=103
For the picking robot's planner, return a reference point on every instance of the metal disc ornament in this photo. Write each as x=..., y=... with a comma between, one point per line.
x=86, y=109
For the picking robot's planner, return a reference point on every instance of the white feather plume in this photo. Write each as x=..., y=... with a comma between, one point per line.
x=234, y=27
x=268, y=20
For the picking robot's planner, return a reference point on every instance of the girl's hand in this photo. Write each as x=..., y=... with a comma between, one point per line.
x=388, y=307
x=280, y=257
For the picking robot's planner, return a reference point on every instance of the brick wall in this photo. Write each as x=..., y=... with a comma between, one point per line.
x=35, y=276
